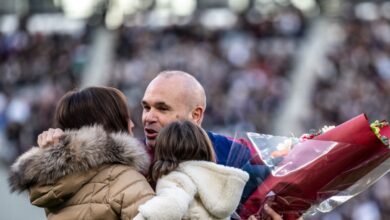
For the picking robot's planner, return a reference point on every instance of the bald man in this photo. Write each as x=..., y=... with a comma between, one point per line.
x=171, y=96
x=177, y=95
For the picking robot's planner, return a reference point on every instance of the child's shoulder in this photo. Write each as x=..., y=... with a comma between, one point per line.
x=208, y=167
x=176, y=179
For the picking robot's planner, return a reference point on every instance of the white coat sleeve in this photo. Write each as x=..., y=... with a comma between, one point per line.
x=174, y=193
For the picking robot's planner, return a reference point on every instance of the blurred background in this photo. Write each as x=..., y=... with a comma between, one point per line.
x=282, y=67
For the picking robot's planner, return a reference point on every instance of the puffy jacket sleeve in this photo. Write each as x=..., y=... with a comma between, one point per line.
x=128, y=191
x=174, y=194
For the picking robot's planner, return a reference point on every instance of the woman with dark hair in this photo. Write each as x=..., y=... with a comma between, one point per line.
x=96, y=169
x=189, y=184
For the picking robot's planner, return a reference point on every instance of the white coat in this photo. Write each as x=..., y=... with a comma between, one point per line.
x=196, y=190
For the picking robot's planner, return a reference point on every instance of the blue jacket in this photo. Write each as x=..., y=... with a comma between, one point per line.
x=235, y=154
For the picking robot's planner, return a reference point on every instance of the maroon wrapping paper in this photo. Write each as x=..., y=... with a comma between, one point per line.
x=352, y=150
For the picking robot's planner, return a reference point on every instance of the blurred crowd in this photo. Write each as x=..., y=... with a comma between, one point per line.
x=356, y=79
x=244, y=69
x=36, y=70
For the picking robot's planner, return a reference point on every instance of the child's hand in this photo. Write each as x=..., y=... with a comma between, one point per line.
x=49, y=137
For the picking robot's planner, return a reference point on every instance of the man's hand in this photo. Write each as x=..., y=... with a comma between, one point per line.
x=271, y=213
x=49, y=137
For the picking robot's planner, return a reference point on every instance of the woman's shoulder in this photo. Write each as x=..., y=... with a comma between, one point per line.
x=64, y=188
x=125, y=180
x=115, y=171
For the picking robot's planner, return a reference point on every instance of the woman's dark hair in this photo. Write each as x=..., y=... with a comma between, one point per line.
x=105, y=106
x=178, y=142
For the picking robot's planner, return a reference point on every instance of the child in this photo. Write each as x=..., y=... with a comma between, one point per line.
x=190, y=185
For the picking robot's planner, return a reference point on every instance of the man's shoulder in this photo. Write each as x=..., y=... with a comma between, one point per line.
x=218, y=137
x=224, y=146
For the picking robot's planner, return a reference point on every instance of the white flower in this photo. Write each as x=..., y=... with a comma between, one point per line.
x=327, y=128
x=286, y=144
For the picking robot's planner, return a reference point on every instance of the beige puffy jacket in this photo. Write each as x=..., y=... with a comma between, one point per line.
x=90, y=174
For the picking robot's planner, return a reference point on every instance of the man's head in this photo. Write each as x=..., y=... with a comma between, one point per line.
x=171, y=96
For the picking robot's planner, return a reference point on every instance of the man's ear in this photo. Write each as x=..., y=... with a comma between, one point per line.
x=197, y=115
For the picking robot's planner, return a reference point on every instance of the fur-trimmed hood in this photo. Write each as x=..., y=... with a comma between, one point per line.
x=78, y=151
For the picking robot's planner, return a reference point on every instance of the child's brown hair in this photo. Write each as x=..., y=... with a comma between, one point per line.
x=178, y=142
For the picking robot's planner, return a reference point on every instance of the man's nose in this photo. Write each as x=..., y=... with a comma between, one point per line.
x=151, y=116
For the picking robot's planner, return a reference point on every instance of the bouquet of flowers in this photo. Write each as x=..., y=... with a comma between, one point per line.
x=317, y=172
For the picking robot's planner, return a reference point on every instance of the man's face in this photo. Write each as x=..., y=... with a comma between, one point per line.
x=164, y=101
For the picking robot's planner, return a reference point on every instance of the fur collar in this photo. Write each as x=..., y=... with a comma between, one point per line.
x=78, y=151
